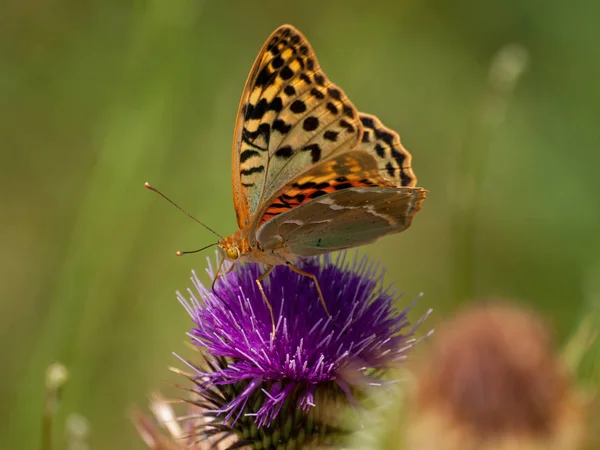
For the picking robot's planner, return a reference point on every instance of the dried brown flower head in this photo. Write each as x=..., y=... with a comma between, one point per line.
x=493, y=380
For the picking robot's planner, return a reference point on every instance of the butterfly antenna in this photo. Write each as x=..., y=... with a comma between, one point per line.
x=152, y=188
x=180, y=253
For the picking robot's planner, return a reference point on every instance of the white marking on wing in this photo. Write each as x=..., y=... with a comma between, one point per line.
x=331, y=203
x=371, y=210
x=411, y=206
x=326, y=201
x=294, y=222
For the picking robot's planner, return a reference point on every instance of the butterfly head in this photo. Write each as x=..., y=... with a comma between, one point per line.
x=233, y=247
x=232, y=253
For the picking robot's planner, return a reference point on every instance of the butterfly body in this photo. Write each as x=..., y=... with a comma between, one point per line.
x=311, y=174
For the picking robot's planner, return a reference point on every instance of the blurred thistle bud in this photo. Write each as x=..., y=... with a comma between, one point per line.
x=493, y=380
x=56, y=376
x=77, y=430
x=506, y=69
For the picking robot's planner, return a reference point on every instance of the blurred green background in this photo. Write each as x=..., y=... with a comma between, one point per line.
x=98, y=97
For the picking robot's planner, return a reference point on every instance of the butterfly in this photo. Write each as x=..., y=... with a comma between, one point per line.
x=311, y=174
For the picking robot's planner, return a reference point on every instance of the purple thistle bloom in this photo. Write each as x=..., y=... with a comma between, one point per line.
x=309, y=350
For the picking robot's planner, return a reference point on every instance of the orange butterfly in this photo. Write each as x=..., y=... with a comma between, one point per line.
x=311, y=174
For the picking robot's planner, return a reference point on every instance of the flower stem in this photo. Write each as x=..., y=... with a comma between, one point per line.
x=506, y=68
x=56, y=377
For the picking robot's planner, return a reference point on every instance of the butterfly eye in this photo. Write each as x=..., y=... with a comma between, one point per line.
x=232, y=253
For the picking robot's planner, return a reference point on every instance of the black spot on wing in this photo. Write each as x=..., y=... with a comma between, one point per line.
x=265, y=77
x=398, y=156
x=276, y=104
x=263, y=130
x=334, y=93
x=311, y=123
x=289, y=90
x=340, y=186
x=280, y=126
x=323, y=185
x=406, y=180
x=390, y=169
x=277, y=62
x=298, y=106
x=317, y=94
x=259, y=110
x=281, y=204
x=347, y=125
x=272, y=47
x=330, y=135
x=305, y=78
x=307, y=185
x=284, y=152
x=367, y=122
x=386, y=137
x=349, y=111
x=332, y=108
x=247, y=154
x=286, y=73
x=298, y=197
x=256, y=169
x=317, y=194
x=315, y=151
x=319, y=79
x=256, y=112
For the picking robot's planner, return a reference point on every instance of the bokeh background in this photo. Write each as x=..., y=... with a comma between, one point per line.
x=499, y=103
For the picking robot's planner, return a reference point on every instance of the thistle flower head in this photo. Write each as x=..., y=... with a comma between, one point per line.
x=309, y=350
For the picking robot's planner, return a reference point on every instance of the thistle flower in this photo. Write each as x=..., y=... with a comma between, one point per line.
x=491, y=381
x=291, y=387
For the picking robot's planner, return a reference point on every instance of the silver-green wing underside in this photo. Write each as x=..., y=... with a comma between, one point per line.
x=343, y=219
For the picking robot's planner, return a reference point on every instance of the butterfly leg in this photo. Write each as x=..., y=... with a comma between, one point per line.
x=317, y=285
x=264, y=296
x=217, y=276
x=214, y=282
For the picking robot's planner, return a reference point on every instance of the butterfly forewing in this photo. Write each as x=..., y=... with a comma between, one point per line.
x=378, y=160
x=291, y=117
x=310, y=173
x=393, y=160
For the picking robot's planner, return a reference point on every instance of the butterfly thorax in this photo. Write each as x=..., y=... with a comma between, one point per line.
x=238, y=247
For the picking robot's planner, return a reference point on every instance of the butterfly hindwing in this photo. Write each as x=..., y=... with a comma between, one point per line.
x=291, y=117
x=343, y=219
